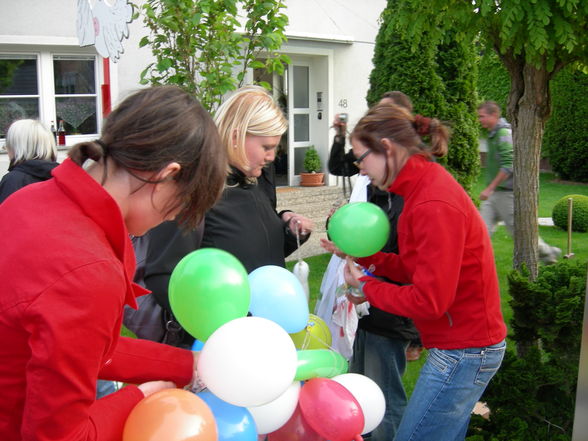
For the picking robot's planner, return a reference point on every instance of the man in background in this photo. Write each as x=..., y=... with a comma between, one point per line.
x=497, y=198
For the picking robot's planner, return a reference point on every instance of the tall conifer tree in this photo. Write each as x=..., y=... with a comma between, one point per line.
x=440, y=80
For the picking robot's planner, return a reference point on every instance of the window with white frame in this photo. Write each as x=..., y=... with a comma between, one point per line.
x=49, y=87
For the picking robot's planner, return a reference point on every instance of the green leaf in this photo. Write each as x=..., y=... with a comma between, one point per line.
x=256, y=64
x=265, y=85
x=164, y=64
x=196, y=19
x=144, y=41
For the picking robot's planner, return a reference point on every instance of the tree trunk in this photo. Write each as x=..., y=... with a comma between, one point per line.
x=529, y=108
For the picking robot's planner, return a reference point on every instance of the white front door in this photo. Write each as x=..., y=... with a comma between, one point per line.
x=307, y=112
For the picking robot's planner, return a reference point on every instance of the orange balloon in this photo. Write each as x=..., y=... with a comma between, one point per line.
x=171, y=415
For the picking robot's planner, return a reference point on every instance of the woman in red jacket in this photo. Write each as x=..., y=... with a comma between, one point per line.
x=447, y=264
x=67, y=267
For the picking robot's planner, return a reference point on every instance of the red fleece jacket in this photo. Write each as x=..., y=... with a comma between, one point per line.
x=67, y=266
x=446, y=259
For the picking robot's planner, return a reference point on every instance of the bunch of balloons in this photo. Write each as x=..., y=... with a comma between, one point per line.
x=269, y=373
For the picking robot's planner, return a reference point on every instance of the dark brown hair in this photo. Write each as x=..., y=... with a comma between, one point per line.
x=397, y=124
x=398, y=98
x=157, y=126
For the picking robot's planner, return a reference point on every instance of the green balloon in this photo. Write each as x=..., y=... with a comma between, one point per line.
x=323, y=363
x=208, y=288
x=359, y=229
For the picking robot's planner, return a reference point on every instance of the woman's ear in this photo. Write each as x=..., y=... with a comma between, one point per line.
x=388, y=146
x=169, y=171
x=234, y=136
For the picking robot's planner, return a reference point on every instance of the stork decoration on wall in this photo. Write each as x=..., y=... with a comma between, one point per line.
x=104, y=23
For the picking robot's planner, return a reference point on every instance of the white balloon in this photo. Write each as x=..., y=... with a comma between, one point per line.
x=273, y=415
x=248, y=361
x=369, y=396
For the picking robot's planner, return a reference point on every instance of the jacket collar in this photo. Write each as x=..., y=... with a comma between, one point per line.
x=99, y=206
x=237, y=178
x=410, y=175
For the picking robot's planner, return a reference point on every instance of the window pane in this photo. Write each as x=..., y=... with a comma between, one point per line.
x=301, y=91
x=74, y=75
x=18, y=76
x=78, y=114
x=12, y=109
x=301, y=128
x=299, y=154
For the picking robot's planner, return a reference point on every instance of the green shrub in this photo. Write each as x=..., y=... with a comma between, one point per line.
x=441, y=83
x=565, y=141
x=579, y=213
x=312, y=161
x=532, y=397
x=493, y=80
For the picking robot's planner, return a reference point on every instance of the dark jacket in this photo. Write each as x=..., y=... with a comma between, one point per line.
x=158, y=252
x=377, y=321
x=245, y=223
x=23, y=174
x=341, y=163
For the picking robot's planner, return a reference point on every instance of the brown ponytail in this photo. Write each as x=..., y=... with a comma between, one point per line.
x=400, y=126
x=438, y=133
x=155, y=127
x=83, y=151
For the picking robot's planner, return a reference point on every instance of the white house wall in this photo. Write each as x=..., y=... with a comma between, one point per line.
x=345, y=30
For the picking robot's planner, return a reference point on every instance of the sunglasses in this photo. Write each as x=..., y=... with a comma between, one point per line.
x=361, y=158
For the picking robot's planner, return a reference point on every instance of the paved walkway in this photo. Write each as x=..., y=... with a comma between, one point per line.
x=316, y=203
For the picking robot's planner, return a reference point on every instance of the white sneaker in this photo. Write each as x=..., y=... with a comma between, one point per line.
x=551, y=257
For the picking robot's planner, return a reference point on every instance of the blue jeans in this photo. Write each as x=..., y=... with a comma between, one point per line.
x=449, y=385
x=382, y=359
x=104, y=387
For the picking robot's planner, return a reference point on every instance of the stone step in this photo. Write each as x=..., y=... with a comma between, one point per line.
x=302, y=195
x=314, y=203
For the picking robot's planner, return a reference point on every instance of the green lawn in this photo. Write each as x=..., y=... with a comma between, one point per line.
x=550, y=192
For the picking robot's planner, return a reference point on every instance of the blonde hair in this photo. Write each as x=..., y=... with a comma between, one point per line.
x=249, y=111
x=29, y=139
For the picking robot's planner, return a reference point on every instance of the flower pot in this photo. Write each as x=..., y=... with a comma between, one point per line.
x=311, y=179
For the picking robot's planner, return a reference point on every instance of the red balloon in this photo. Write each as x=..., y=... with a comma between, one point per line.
x=331, y=410
x=296, y=429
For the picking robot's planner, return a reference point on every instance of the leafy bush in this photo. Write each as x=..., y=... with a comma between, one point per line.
x=312, y=161
x=579, y=213
x=204, y=48
x=532, y=397
x=457, y=68
x=493, y=80
x=440, y=81
x=565, y=139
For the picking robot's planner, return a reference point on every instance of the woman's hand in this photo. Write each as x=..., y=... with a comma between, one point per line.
x=352, y=274
x=196, y=384
x=196, y=355
x=331, y=248
x=152, y=387
x=340, y=126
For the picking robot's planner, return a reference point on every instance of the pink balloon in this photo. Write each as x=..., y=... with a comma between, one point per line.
x=296, y=429
x=331, y=410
